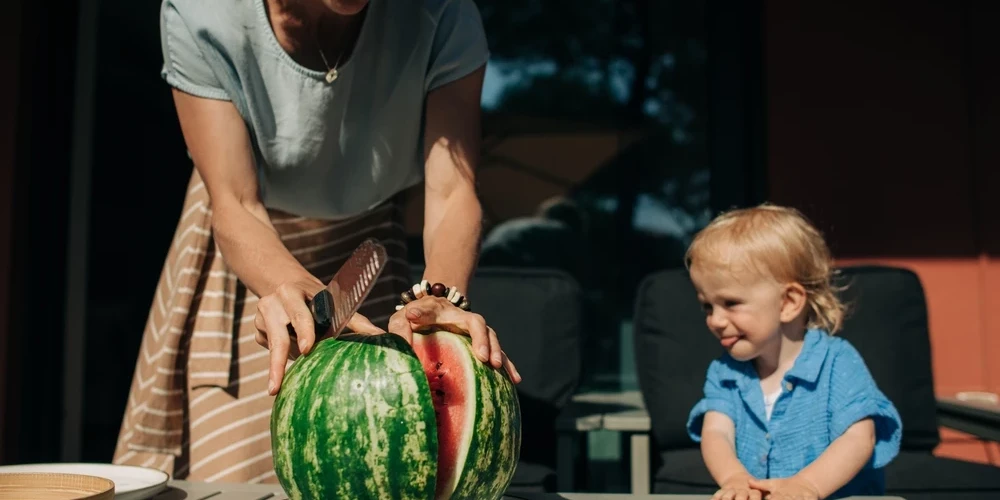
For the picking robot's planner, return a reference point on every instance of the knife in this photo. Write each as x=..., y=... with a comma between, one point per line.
x=333, y=307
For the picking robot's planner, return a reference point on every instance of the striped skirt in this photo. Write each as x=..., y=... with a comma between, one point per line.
x=198, y=407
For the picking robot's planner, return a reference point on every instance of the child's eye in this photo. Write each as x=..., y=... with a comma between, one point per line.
x=732, y=303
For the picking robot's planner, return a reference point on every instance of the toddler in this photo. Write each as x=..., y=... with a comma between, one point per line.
x=789, y=411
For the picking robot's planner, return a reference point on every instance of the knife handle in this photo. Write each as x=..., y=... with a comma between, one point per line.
x=322, y=310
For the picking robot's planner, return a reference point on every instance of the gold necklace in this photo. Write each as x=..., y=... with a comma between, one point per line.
x=331, y=73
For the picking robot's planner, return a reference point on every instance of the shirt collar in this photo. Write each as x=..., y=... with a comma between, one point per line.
x=810, y=360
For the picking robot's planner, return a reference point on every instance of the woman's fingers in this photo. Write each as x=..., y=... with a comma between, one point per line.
x=360, y=324
x=400, y=325
x=278, y=342
x=258, y=323
x=476, y=326
x=293, y=301
x=496, y=355
x=439, y=311
x=271, y=313
x=511, y=369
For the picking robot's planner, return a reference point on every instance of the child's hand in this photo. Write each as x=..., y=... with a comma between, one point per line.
x=792, y=488
x=737, y=488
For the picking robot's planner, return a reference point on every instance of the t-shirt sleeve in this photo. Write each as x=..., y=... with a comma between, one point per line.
x=184, y=65
x=854, y=396
x=459, y=46
x=716, y=398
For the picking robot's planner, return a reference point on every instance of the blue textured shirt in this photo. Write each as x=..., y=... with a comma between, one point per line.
x=828, y=389
x=327, y=150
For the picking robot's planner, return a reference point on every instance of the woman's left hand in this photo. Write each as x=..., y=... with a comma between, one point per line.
x=430, y=310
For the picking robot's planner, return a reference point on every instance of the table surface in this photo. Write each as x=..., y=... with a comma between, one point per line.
x=185, y=490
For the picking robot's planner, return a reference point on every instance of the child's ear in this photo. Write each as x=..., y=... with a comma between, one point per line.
x=793, y=302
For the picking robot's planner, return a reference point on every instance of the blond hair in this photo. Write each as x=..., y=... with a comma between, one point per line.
x=778, y=242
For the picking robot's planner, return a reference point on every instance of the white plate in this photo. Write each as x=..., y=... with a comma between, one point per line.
x=131, y=483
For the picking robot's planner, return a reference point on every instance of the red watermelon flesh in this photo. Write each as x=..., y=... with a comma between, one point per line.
x=478, y=430
x=450, y=395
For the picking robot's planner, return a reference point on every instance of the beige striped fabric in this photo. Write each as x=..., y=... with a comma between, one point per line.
x=198, y=407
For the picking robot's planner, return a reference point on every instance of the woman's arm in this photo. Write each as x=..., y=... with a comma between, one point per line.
x=220, y=146
x=452, y=214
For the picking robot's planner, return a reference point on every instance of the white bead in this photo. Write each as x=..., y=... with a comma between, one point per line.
x=456, y=299
x=451, y=292
x=399, y=307
x=418, y=291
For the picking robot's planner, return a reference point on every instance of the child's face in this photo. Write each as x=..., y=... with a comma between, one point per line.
x=745, y=311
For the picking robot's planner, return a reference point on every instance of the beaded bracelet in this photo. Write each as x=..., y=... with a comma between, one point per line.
x=424, y=288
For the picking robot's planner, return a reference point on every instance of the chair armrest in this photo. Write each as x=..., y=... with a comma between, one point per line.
x=586, y=411
x=579, y=417
x=633, y=421
x=979, y=419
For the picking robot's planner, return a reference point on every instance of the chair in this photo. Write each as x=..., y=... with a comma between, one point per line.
x=887, y=324
x=537, y=316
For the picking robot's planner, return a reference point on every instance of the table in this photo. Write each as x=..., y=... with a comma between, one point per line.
x=185, y=490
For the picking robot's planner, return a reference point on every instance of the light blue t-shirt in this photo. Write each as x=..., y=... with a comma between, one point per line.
x=326, y=150
x=827, y=390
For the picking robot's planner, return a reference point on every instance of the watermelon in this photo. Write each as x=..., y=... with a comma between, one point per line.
x=370, y=416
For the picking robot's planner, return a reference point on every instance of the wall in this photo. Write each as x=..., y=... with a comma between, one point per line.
x=881, y=128
x=10, y=37
x=37, y=164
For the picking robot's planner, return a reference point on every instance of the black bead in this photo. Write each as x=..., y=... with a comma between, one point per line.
x=439, y=290
x=464, y=304
x=407, y=296
x=427, y=288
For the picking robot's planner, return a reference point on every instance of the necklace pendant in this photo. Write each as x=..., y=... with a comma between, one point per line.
x=331, y=75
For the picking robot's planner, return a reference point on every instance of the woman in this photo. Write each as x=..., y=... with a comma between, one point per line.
x=304, y=119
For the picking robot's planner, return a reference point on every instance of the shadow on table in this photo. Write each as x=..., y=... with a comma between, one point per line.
x=172, y=493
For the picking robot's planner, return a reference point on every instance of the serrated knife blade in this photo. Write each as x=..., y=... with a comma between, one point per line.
x=333, y=307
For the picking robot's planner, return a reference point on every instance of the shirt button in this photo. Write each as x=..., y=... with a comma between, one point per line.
x=767, y=436
x=788, y=386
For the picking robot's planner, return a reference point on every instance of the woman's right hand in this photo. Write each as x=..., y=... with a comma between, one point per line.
x=287, y=306
x=275, y=312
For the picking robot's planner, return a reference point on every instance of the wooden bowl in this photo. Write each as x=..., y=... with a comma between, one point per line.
x=54, y=486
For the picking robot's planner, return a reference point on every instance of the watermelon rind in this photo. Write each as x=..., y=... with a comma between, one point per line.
x=325, y=445
x=360, y=457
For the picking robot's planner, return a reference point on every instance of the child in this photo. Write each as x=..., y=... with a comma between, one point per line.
x=789, y=411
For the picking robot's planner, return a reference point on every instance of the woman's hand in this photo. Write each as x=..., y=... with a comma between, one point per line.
x=287, y=306
x=430, y=310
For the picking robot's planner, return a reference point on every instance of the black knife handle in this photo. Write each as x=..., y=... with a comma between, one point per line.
x=322, y=310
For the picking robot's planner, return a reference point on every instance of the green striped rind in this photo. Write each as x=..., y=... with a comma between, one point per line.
x=495, y=444
x=341, y=415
